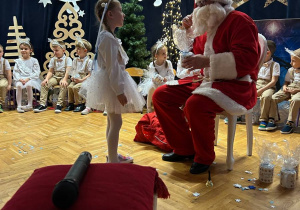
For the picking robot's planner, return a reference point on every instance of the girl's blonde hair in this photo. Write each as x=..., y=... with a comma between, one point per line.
x=87, y=45
x=99, y=8
x=155, y=50
x=1, y=47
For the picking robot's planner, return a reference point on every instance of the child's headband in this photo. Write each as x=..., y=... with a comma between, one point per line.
x=105, y=5
x=291, y=52
x=54, y=42
x=25, y=41
x=80, y=42
x=160, y=43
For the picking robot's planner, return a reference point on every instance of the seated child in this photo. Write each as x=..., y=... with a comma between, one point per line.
x=290, y=90
x=59, y=68
x=266, y=86
x=5, y=78
x=81, y=70
x=160, y=71
x=26, y=75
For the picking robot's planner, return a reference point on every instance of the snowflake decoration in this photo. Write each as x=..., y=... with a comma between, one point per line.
x=45, y=2
x=81, y=13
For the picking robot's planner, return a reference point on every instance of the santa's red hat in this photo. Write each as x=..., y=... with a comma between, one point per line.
x=221, y=1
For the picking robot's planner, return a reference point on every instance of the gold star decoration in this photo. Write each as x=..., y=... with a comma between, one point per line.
x=268, y=2
x=237, y=3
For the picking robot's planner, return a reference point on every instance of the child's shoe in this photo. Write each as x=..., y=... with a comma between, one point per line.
x=58, y=109
x=1, y=109
x=288, y=128
x=20, y=110
x=263, y=126
x=86, y=111
x=123, y=159
x=40, y=108
x=70, y=107
x=26, y=108
x=271, y=125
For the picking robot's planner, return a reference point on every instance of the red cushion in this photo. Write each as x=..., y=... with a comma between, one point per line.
x=105, y=186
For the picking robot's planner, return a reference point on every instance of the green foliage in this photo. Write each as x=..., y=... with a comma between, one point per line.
x=132, y=35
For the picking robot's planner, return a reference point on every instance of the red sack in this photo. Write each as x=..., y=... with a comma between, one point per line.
x=148, y=130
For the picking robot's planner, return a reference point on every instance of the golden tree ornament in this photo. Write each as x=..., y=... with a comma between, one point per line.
x=237, y=3
x=12, y=50
x=67, y=27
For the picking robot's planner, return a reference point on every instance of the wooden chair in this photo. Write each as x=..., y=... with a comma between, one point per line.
x=233, y=118
x=135, y=72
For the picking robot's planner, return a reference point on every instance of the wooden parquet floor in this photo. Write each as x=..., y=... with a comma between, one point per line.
x=29, y=141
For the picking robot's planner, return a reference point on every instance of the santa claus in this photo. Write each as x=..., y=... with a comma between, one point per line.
x=227, y=50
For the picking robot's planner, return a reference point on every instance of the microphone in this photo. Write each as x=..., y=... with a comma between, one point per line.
x=66, y=191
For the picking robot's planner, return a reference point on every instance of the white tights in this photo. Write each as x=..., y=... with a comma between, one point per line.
x=114, y=124
x=29, y=95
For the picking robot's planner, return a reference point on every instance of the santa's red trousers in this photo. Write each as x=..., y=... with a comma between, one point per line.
x=191, y=130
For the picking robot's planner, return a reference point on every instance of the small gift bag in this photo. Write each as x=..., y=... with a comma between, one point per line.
x=290, y=164
x=266, y=171
x=267, y=152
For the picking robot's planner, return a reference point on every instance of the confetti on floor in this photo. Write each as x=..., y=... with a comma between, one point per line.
x=196, y=194
x=238, y=200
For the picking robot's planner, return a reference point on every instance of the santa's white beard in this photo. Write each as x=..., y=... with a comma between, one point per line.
x=207, y=18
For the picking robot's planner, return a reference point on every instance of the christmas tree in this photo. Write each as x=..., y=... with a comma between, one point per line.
x=171, y=15
x=132, y=35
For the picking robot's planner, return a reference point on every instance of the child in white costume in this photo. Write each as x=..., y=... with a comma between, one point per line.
x=109, y=85
x=26, y=75
x=160, y=71
x=5, y=78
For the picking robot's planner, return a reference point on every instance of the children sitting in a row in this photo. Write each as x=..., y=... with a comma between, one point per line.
x=60, y=67
x=266, y=86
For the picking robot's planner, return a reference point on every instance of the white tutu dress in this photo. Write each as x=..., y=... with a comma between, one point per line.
x=27, y=69
x=109, y=79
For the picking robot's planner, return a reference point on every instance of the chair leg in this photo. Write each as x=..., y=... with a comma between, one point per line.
x=230, y=139
x=217, y=119
x=249, y=133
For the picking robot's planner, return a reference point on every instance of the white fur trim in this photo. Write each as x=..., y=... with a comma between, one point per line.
x=222, y=66
x=173, y=82
x=226, y=103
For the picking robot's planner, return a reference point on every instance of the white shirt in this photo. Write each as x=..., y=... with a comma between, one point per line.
x=288, y=76
x=7, y=66
x=60, y=63
x=79, y=66
x=265, y=70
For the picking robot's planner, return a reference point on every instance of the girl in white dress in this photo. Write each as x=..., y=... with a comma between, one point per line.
x=109, y=85
x=26, y=75
x=160, y=72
